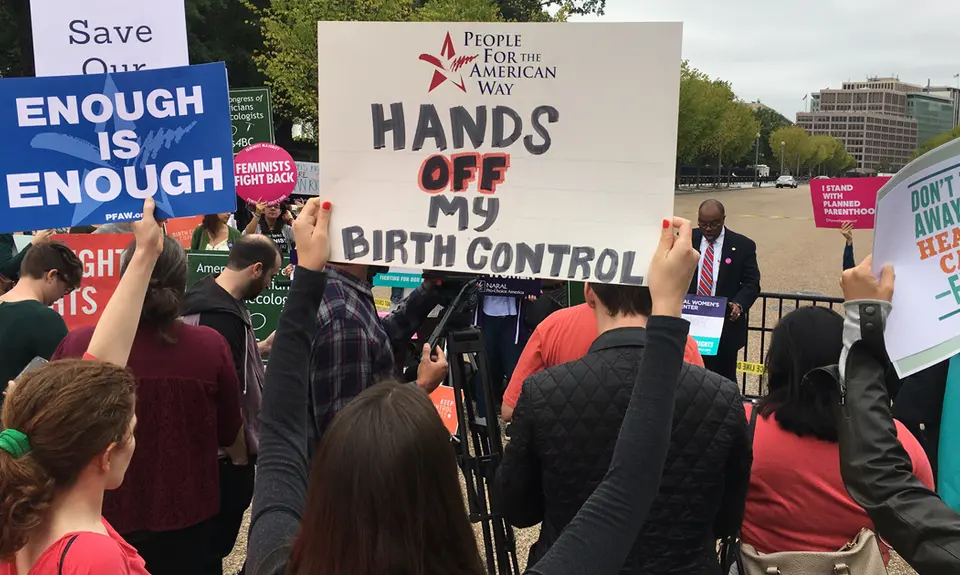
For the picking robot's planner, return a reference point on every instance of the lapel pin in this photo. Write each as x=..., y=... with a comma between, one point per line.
x=733, y=249
x=728, y=261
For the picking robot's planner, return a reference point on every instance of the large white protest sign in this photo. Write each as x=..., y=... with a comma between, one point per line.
x=72, y=37
x=918, y=231
x=533, y=150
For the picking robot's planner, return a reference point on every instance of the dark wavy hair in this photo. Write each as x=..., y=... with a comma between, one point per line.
x=168, y=283
x=384, y=494
x=800, y=398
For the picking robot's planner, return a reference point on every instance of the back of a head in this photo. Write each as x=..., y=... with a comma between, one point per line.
x=384, y=493
x=802, y=402
x=168, y=282
x=70, y=411
x=624, y=300
x=253, y=249
x=41, y=259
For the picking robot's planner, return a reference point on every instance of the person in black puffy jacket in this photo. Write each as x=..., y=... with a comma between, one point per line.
x=565, y=427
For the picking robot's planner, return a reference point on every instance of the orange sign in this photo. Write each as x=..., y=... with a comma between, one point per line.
x=445, y=402
x=100, y=255
x=181, y=229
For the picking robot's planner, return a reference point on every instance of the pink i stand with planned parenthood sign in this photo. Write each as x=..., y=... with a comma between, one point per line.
x=264, y=173
x=840, y=200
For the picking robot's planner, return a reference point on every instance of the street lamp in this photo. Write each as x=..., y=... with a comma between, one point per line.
x=756, y=167
x=782, y=144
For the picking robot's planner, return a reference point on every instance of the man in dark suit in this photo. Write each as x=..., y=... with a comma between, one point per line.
x=728, y=269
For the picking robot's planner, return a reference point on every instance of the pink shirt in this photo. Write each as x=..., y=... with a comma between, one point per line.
x=797, y=501
x=89, y=554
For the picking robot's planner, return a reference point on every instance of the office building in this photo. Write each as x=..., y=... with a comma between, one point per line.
x=934, y=115
x=871, y=120
x=953, y=94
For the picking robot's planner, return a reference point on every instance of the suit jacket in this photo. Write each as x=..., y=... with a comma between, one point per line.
x=738, y=280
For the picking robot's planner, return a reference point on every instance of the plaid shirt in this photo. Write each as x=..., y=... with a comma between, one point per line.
x=353, y=348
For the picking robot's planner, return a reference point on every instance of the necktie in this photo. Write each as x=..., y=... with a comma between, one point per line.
x=705, y=287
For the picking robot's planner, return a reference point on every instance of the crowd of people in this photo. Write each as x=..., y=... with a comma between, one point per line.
x=142, y=442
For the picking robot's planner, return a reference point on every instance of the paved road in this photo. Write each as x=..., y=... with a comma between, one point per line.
x=794, y=256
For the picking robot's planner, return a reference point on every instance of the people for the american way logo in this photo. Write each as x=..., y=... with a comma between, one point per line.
x=451, y=68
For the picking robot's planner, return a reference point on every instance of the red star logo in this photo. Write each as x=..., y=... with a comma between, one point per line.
x=453, y=65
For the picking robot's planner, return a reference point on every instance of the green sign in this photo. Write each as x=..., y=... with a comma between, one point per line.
x=251, y=116
x=264, y=309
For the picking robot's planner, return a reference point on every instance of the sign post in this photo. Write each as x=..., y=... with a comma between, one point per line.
x=72, y=37
x=502, y=149
x=84, y=150
x=251, y=117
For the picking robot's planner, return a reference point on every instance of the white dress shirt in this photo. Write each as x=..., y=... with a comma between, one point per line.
x=717, y=251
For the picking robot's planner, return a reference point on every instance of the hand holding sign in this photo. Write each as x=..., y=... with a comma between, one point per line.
x=859, y=283
x=311, y=233
x=672, y=267
x=148, y=232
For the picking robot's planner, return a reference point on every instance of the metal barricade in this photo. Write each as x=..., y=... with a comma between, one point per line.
x=765, y=314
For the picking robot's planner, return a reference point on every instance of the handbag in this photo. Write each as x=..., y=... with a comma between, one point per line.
x=859, y=557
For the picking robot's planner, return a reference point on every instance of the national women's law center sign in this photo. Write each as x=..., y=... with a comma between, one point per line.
x=502, y=149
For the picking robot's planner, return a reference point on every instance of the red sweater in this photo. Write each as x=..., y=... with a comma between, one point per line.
x=188, y=405
x=797, y=501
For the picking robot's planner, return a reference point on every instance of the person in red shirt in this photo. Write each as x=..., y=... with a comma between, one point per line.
x=565, y=335
x=68, y=436
x=188, y=406
x=796, y=500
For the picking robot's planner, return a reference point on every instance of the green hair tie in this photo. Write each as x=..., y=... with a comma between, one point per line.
x=14, y=442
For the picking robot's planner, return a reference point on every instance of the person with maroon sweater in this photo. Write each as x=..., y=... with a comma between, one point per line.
x=188, y=406
x=69, y=435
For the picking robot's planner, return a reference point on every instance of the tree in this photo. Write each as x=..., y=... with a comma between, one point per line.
x=797, y=149
x=770, y=121
x=824, y=148
x=289, y=29
x=16, y=47
x=937, y=141
x=733, y=135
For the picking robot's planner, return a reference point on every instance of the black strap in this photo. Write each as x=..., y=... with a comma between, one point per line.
x=730, y=546
x=64, y=554
x=751, y=432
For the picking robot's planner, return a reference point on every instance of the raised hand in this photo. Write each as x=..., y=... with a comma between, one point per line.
x=41, y=236
x=311, y=234
x=859, y=282
x=148, y=232
x=847, y=232
x=672, y=267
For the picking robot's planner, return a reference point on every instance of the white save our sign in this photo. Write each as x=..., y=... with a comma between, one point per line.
x=72, y=37
x=499, y=149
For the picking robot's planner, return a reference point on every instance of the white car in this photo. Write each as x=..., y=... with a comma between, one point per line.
x=786, y=182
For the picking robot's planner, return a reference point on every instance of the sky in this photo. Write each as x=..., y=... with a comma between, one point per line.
x=776, y=51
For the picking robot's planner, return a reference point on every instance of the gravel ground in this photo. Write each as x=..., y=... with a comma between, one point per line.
x=794, y=257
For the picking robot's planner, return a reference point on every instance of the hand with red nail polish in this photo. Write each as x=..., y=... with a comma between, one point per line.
x=672, y=267
x=311, y=234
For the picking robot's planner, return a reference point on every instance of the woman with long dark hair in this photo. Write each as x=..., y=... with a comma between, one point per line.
x=214, y=233
x=796, y=500
x=274, y=222
x=383, y=495
x=68, y=436
x=188, y=407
